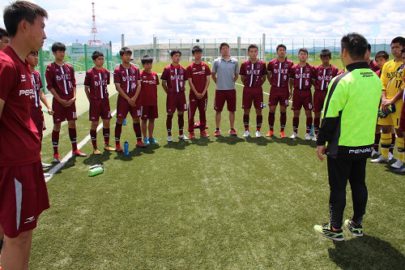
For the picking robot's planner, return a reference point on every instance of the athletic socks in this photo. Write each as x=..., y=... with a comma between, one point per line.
x=296, y=122
x=93, y=136
x=271, y=120
x=169, y=124
x=180, y=120
x=118, y=130
x=246, y=121
x=137, y=130
x=73, y=138
x=106, y=135
x=283, y=120
x=259, y=121
x=55, y=141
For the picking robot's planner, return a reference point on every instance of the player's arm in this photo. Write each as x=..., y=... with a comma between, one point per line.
x=207, y=84
x=121, y=92
x=72, y=100
x=397, y=97
x=236, y=73
x=164, y=85
x=44, y=101
x=87, y=91
x=214, y=72
x=192, y=87
x=269, y=73
x=138, y=90
x=50, y=80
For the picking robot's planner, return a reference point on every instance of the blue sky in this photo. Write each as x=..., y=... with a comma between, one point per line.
x=70, y=20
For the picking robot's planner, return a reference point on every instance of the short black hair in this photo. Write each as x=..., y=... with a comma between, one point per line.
x=253, y=46
x=326, y=52
x=96, y=54
x=355, y=44
x=382, y=54
x=21, y=10
x=400, y=40
x=281, y=46
x=173, y=52
x=146, y=59
x=403, y=51
x=58, y=46
x=196, y=49
x=223, y=44
x=125, y=50
x=303, y=50
x=3, y=33
x=369, y=47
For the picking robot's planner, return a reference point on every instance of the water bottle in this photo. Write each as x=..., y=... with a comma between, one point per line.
x=124, y=122
x=126, y=148
x=96, y=170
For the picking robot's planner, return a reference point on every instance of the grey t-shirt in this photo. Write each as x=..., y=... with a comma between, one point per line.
x=226, y=72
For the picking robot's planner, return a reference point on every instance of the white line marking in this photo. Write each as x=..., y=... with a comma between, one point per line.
x=68, y=156
x=243, y=85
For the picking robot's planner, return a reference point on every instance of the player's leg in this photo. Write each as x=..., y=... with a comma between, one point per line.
x=191, y=113
x=393, y=144
x=106, y=117
x=218, y=106
x=16, y=251
x=308, y=113
x=181, y=106
x=71, y=117
x=272, y=111
x=202, y=108
x=246, y=105
x=385, y=141
x=231, y=106
x=296, y=123
x=122, y=112
x=376, y=144
x=399, y=144
x=57, y=120
x=136, y=124
x=151, y=127
x=144, y=123
x=93, y=136
x=258, y=103
x=284, y=102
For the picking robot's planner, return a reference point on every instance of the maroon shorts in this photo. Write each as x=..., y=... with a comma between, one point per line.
x=252, y=96
x=63, y=113
x=123, y=108
x=99, y=108
x=176, y=101
x=23, y=197
x=302, y=99
x=149, y=112
x=225, y=95
x=402, y=120
x=279, y=96
x=319, y=99
x=38, y=117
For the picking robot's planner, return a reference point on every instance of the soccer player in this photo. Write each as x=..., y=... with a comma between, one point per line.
x=278, y=76
x=391, y=105
x=23, y=192
x=4, y=39
x=402, y=119
x=95, y=85
x=199, y=80
x=127, y=80
x=301, y=74
x=61, y=82
x=173, y=78
x=381, y=58
x=253, y=74
x=371, y=63
x=323, y=74
x=348, y=126
x=149, y=100
x=225, y=73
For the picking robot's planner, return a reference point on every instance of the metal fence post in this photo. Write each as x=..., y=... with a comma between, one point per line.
x=85, y=58
x=42, y=68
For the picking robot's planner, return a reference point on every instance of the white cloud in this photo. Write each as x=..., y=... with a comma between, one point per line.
x=70, y=20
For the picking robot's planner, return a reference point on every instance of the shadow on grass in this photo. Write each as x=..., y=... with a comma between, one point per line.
x=262, y=141
x=134, y=153
x=69, y=164
x=367, y=252
x=97, y=159
x=294, y=142
x=201, y=141
x=231, y=140
x=180, y=145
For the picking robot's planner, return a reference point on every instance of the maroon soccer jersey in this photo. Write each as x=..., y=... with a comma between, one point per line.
x=253, y=73
x=19, y=138
x=176, y=77
x=127, y=78
x=323, y=76
x=279, y=73
x=37, y=83
x=373, y=66
x=62, y=79
x=198, y=73
x=149, y=83
x=97, y=80
x=302, y=76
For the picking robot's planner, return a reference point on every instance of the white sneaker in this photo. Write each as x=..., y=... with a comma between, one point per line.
x=246, y=134
x=375, y=153
x=390, y=156
x=183, y=137
x=397, y=164
x=46, y=165
x=293, y=136
x=307, y=137
x=169, y=139
x=380, y=159
x=314, y=138
x=258, y=134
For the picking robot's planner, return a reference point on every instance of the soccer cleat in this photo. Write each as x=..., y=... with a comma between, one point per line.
x=140, y=144
x=118, y=148
x=380, y=159
x=314, y=138
x=326, y=231
x=397, y=164
x=46, y=165
x=375, y=154
x=204, y=134
x=78, y=153
x=217, y=133
x=169, y=139
x=270, y=133
x=294, y=136
x=108, y=148
x=152, y=140
x=191, y=135
x=307, y=137
x=258, y=134
x=391, y=158
x=282, y=134
x=356, y=230
x=146, y=141
x=183, y=137
x=56, y=158
x=399, y=171
x=232, y=132
x=96, y=152
x=245, y=134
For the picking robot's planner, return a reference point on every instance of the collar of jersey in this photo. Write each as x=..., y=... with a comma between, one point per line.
x=357, y=65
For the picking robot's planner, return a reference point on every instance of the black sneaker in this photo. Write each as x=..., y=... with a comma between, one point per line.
x=326, y=231
x=356, y=230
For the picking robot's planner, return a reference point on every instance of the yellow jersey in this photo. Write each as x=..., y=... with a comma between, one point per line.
x=392, y=78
